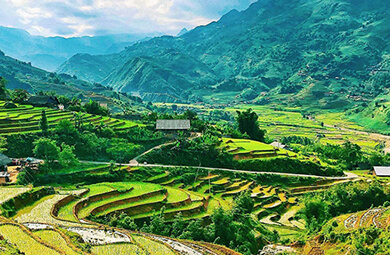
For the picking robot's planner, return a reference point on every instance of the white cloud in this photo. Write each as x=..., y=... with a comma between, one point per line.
x=87, y=17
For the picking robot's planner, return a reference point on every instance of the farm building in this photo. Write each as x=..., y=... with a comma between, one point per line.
x=173, y=125
x=48, y=101
x=4, y=177
x=382, y=171
x=279, y=145
x=4, y=161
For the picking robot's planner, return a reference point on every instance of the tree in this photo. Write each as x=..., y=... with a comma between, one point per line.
x=3, y=88
x=244, y=204
x=19, y=95
x=94, y=107
x=122, y=151
x=65, y=127
x=247, y=123
x=43, y=123
x=178, y=225
x=3, y=144
x=46, y=149
x=78, y=120
x=67, y=156
x=190, y=115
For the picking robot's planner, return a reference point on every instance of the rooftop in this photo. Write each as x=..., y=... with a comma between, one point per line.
x=4, y=160
x=173, y=124
x=278, y=145
x=382, y=170
x=4, y=174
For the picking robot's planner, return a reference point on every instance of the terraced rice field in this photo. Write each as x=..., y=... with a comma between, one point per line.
x=25, y=119
x=24, y=242
x=40, y=211
x=245, y=149
x=55, y=239
x=11, y=192
x=152, y=247
x=118, y=249
x=141, y=200
x=378, y=217
x=50, y=241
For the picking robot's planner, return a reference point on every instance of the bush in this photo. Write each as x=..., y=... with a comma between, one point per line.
x=10, y=105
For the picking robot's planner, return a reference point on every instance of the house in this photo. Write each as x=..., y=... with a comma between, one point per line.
x=173, y=125
x=382, y=171
x=4, y=161
x=4, y=177
x=279, y=145
x=48, y=101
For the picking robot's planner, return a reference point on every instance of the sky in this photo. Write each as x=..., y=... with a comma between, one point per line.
x=70, y=18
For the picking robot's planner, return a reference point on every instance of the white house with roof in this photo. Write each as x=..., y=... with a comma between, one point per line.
x=382, y=171
x=173, y=125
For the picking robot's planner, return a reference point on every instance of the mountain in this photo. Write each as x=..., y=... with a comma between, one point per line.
x=307, y=52
x=50, y=52
x=22, y=75
x=182, y=32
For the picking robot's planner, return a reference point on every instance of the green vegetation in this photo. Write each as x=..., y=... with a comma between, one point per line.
x=24, y=242
x=55, y=239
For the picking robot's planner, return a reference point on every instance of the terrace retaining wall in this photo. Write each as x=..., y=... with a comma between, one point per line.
x=126, y=201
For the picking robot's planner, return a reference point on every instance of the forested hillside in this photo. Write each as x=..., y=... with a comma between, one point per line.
x=322, y=51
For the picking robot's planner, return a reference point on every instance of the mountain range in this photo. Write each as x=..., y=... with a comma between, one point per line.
x=50, y=52
x=328, y=52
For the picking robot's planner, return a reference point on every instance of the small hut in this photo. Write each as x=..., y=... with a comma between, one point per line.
x=173, y=125
x=48, y=101
x=4, y=175
x=4, y=161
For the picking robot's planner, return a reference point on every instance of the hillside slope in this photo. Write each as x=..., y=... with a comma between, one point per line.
x=282, y=47
x=22, y=75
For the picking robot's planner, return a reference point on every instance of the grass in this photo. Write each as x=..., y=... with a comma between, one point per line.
x=24, y=119
x=242, y=147
x=172, y=210
x=222, y=181
x=273, y=204
x=286, y=233
x=176, y=195
x=158, y=198
x=285, y=218
x=117, y=249
x=23, y=241
x=40, y=211
x=55, y=239
x=158, y=177
x=83, y=168
x=66, y=212
x=139, y=188
x=152, y=247
x=7, y=193
x=240, y=189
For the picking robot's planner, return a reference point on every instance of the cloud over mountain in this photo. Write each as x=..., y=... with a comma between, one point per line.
x=96, y=17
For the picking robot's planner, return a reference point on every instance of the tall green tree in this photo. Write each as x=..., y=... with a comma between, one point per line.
x=67, y=156
x=248, y=124
x=19, y=95
x=46, y=149
x=3, y=144
x=3, y=89
x=43, y=123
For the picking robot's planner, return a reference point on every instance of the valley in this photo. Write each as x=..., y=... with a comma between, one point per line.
x=261, y=131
